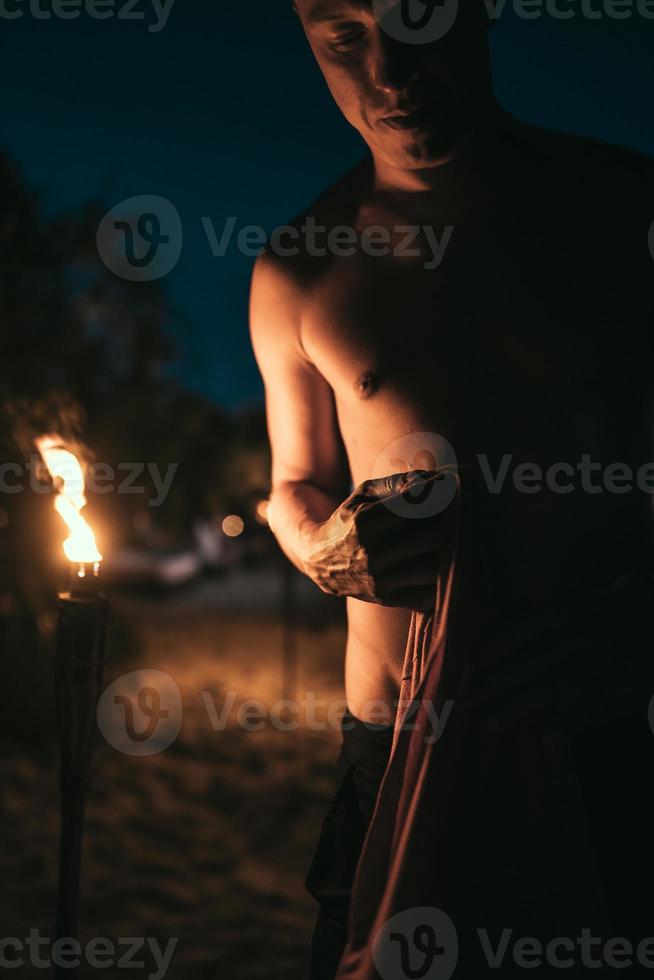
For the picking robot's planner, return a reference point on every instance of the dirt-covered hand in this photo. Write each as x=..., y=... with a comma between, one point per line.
x=373, y=548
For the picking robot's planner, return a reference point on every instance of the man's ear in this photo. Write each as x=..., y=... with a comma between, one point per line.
x=294, y=5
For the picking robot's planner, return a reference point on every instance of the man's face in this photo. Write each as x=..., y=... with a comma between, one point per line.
x=412, y=103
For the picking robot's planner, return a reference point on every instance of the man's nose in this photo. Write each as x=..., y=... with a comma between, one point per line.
x=395, y=64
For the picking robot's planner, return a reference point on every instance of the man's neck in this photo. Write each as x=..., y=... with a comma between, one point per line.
x=456, y=169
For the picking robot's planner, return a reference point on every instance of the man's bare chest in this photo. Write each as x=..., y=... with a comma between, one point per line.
x=495, y=328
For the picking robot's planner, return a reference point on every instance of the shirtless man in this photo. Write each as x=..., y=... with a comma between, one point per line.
x=530, y=340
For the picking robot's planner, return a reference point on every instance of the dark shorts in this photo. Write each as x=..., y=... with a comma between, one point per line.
x=362, y=764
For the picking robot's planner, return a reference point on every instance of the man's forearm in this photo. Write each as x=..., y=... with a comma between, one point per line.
x=363, y=547
x=296, y=511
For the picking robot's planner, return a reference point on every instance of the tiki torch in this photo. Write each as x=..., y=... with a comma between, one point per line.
x=79, y=659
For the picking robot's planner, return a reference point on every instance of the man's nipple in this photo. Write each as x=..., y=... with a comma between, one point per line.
x=367, y=385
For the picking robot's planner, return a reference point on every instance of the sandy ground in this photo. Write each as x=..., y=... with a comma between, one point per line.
x=207, y=842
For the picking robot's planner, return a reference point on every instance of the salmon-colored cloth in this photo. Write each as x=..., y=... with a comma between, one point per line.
x=488, y=822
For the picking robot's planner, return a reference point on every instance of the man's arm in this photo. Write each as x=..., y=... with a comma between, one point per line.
x=358, y=546
x=309, y=475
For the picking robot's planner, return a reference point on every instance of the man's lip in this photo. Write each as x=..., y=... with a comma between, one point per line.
x=413, y=119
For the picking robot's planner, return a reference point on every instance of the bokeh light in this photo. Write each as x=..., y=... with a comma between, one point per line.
x=233, y=526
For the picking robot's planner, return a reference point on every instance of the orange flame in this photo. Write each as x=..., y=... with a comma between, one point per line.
x=64, y=466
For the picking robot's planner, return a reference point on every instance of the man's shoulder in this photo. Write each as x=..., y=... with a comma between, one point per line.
x=585, y=159
x=294, y=261
x=295, y=256
x=600, y=195
x=338, y=204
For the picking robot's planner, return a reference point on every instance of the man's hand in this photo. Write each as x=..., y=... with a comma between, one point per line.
x=371, y=549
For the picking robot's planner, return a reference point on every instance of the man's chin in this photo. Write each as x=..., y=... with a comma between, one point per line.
x=416, y=151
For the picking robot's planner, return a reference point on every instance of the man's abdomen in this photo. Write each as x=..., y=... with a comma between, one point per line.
x=375, y=656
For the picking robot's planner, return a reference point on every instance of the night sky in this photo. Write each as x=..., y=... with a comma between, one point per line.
x=224, y=113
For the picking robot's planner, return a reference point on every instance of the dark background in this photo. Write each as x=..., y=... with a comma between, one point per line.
x=224, y=113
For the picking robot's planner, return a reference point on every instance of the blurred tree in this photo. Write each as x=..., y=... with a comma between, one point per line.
x=85, y=353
